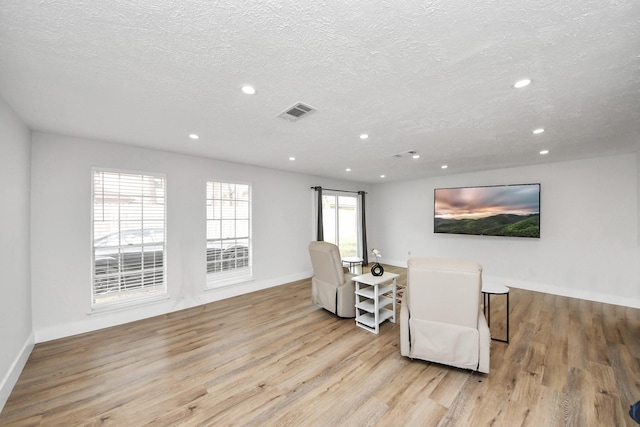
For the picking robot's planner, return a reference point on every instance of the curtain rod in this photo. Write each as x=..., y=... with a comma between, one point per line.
x=340, y=191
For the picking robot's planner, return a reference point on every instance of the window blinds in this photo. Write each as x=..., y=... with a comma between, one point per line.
x=128, y=236
x=228, y=233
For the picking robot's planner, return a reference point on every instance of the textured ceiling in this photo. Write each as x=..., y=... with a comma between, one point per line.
x=430, y=76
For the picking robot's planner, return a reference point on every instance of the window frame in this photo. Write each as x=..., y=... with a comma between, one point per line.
x=335, y=238
x=162, y=292
x=233, y=253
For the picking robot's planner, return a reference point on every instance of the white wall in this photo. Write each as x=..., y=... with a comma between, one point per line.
x=589, y=246
x=589, y=229
x=16, y=337
x=61, y=240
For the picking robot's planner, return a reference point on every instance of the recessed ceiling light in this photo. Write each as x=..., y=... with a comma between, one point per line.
x=292, y=158
x=416, y=156
x=193, y=136
x=382, y=176
x=249, y=90
x=538, y=131
x=444, y=167
x=522, y=83
x=348, y=169
x=364, y=136
x=543, y=152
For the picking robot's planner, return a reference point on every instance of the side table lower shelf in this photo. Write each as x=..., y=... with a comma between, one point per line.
x=368, y=320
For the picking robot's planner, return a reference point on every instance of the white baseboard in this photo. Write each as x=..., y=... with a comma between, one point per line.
x=571, y=293
x=11, y=377
x=94, y=322
x=552, y=289
x=245, y=288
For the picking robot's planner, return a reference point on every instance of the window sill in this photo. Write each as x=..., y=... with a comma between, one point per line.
x=125, y=305
x=219, y=284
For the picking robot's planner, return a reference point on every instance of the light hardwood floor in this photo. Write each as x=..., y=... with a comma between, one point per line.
x=272, y=358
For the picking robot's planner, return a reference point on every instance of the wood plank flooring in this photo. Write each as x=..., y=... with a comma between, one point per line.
x=271, y=358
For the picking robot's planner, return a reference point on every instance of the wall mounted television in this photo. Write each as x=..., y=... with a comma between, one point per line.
x=498, y=210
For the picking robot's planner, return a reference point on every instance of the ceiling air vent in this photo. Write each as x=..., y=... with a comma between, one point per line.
x=297, y=111
x=406, y=153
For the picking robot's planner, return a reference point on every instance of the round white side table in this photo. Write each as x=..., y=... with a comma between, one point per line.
x=489, y=289
x=352, y=261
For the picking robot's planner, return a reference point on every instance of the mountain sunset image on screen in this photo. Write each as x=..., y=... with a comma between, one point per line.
x=500, y=210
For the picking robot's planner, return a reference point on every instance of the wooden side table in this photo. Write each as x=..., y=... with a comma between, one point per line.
x=372, y=306
x=489, y=289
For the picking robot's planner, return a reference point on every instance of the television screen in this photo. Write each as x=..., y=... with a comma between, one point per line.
x=499, y=210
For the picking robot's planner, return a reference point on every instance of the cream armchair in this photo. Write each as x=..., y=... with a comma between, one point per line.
x=440, y=317
x=331, y=287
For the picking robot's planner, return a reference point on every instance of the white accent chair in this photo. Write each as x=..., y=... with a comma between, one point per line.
x=440, y=316
x=331, y=286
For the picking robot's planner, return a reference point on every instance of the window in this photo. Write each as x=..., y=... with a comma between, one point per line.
x=228, y=233
x=340, y=222
x=128, y=237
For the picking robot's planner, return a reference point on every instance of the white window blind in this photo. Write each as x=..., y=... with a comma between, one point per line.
x=228, y=233
x=128, y=237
